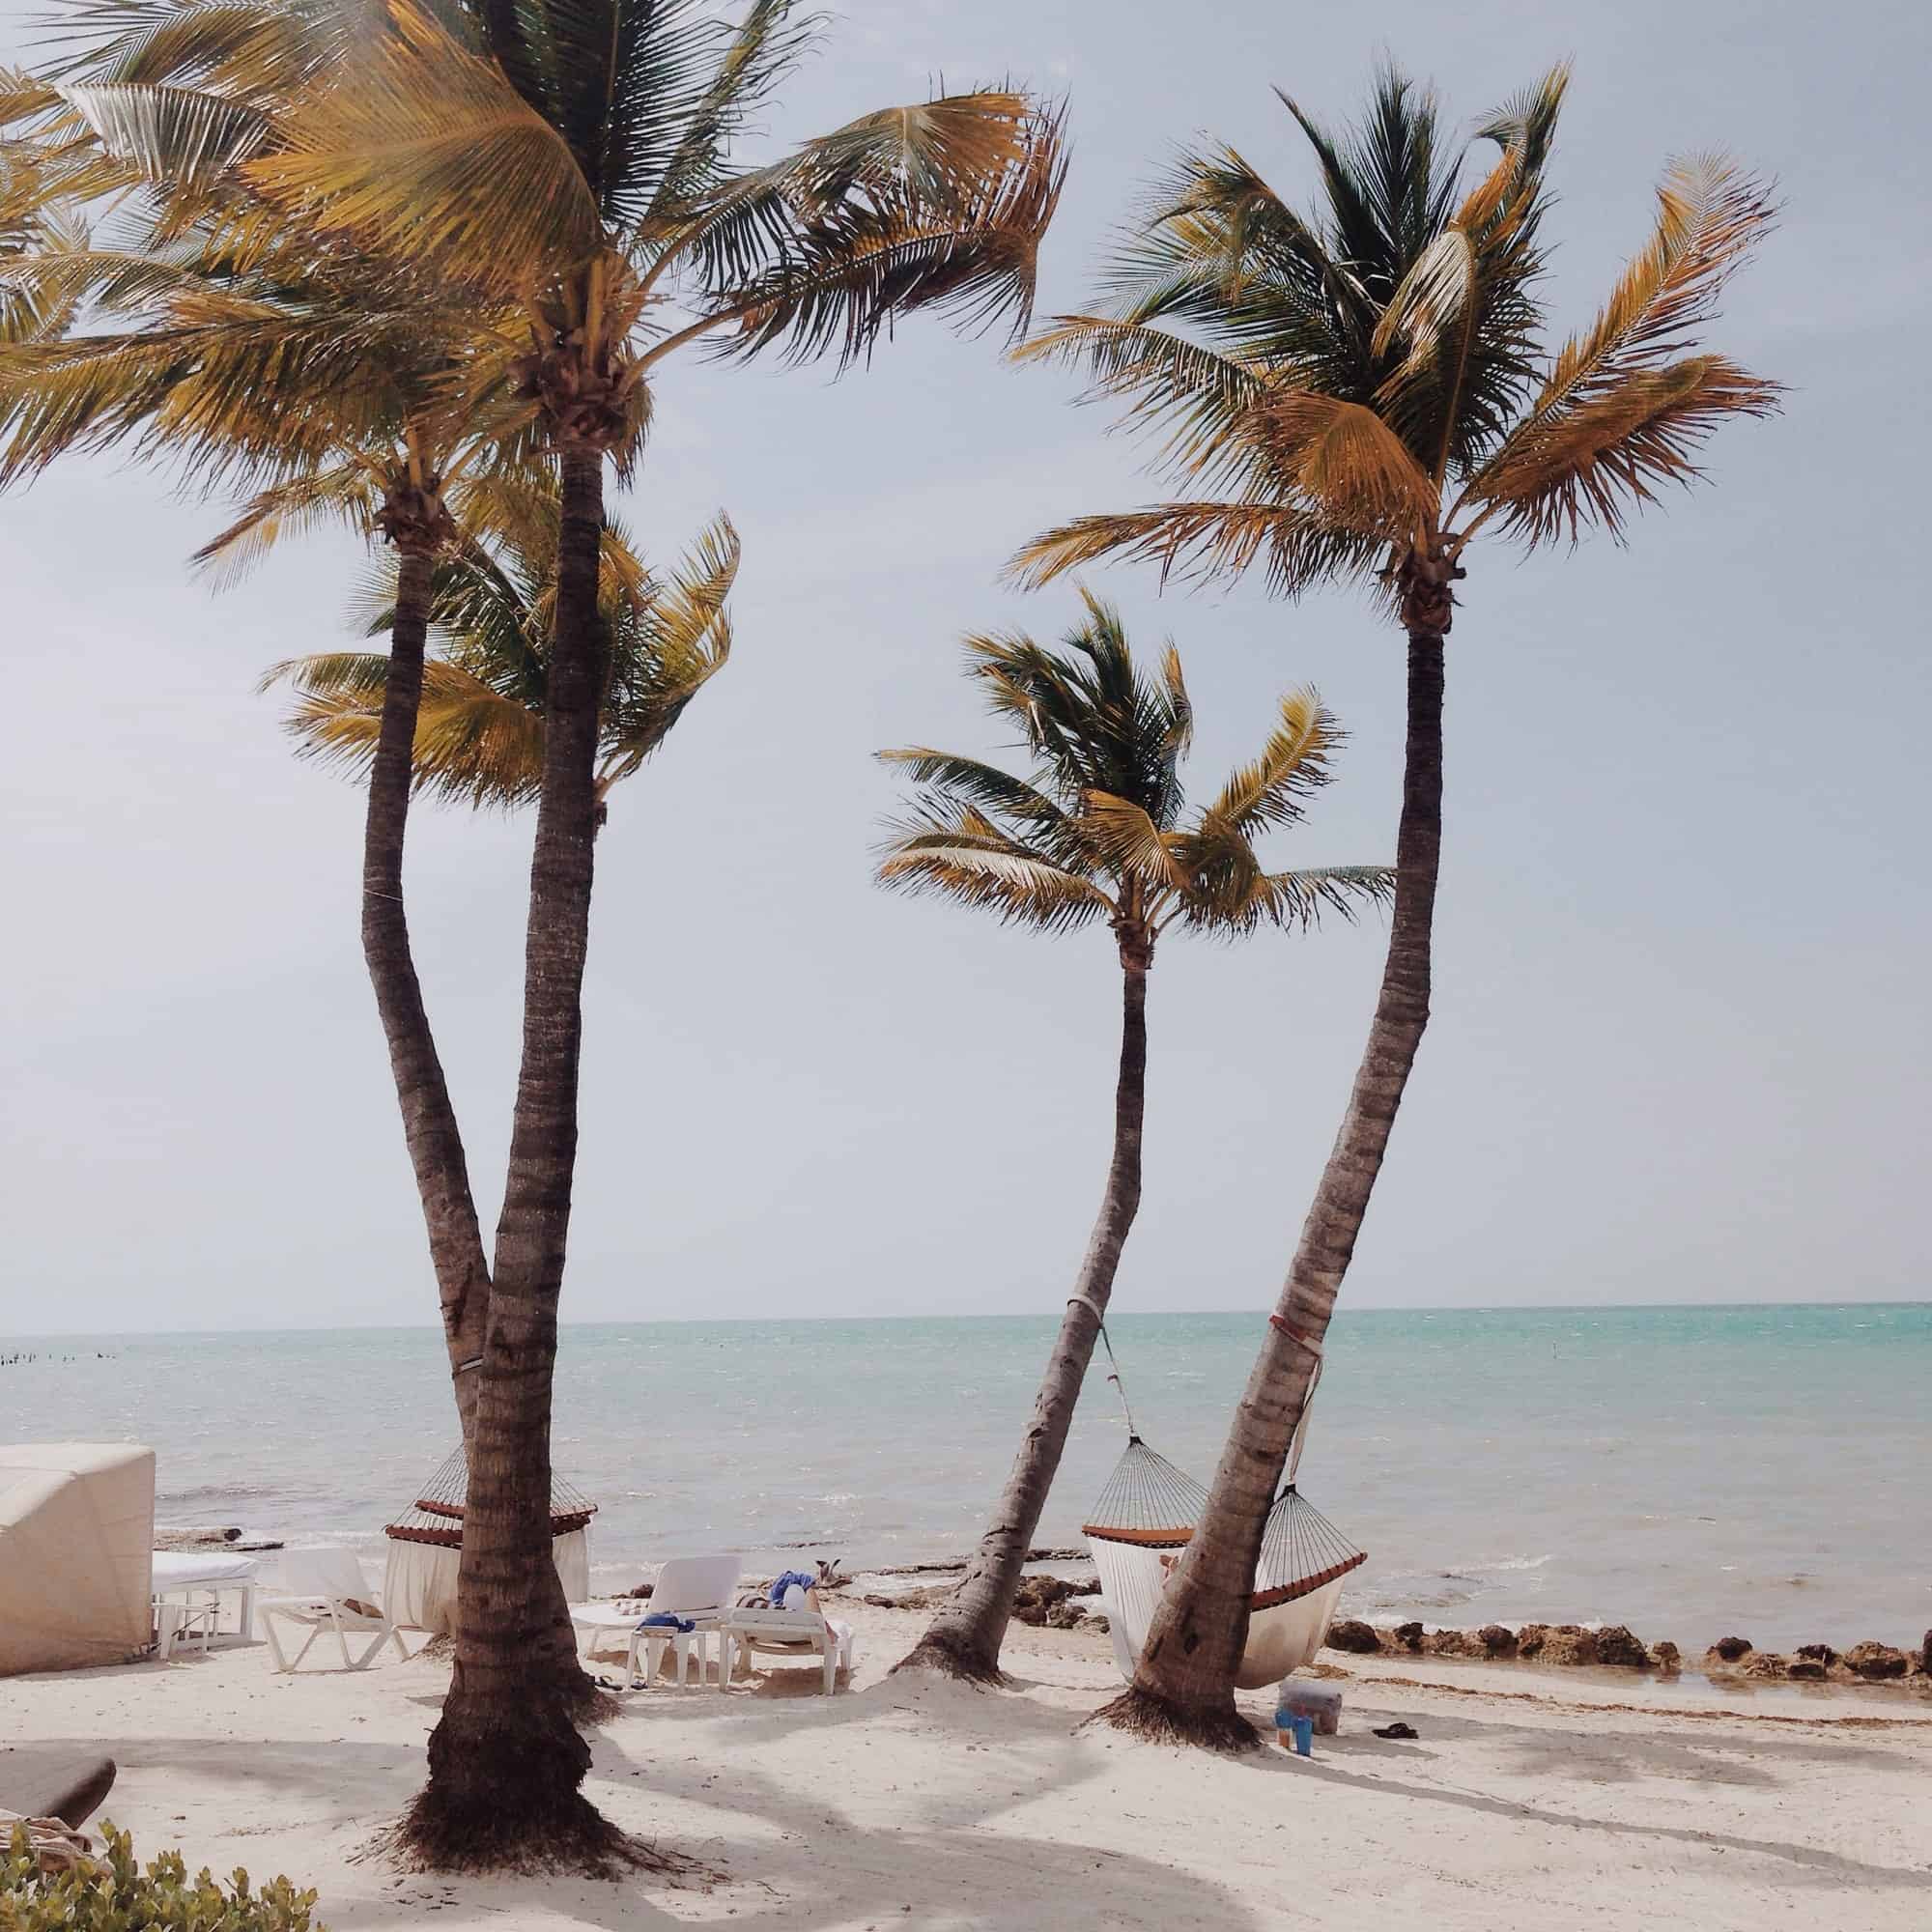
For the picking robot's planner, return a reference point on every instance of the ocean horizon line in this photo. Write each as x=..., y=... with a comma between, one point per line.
x=15, y=1340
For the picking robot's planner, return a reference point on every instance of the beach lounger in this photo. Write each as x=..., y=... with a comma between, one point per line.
x=698, y=1589
x=36, y=1782
x=324, y=1590
x=790, y=1633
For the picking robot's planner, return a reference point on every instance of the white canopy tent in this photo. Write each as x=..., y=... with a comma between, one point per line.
x=76, y=1548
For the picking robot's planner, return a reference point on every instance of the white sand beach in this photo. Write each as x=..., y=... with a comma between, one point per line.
x=1528, y=1800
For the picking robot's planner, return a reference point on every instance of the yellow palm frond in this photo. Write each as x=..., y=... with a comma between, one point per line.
x=1126, y=840
x=1207, y=539
x=1606, y=454
x=341, y=493
x=472, y=745
x=422, y=150
x=1347, y=464
x=968, y=860
x=1711, y=213
x=1294, y=763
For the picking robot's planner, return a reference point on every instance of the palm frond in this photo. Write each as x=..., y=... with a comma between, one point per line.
x=1200, y=394
x=1609, y=453
x=969, y=249
x=967, y=860
x=772, y=38
x=1125, y=839
x=1299, y=898
x=1711, y=213
x=183, y=138
x=1294, y=764
x=1296, y=548
x=1345, y=463
x=473, y=744
x=342, y=495
x=418, y=149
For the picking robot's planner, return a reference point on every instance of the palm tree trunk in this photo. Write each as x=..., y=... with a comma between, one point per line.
x=429, y=1120
x=964, y=1638
x=1183, y=1690
x=506, y=1761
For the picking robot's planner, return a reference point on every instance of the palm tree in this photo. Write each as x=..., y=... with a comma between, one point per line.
x=479, y=733
x=579, y=161
x=1357, y=394
x=1096, y=832
x=326, y=379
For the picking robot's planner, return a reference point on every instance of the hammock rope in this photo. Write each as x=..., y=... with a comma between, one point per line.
x=437, y=1514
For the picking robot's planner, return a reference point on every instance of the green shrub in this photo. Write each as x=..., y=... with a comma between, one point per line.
x=116, y=1895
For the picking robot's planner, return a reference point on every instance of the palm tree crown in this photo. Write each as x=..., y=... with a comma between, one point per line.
x=479, y=734
x=1361, y=389
x=1101, y=829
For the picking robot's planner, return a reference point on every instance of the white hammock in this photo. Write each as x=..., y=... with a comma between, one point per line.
x=1146, y=1517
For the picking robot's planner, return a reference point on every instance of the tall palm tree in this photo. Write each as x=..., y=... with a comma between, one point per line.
x=325, y=378
x=1096, y=832
x=580, y=161
x=481, y=733
x=1358, y=393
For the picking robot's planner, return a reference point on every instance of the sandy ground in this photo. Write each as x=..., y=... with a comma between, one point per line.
x=1539, y=1802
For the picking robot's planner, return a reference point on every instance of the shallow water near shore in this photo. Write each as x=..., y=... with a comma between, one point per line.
x=1688, y=1471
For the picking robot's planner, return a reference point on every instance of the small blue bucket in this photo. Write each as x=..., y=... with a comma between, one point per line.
x=1301, y=1730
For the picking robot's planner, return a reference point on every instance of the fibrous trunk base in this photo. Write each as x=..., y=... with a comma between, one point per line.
x=1142, y=1715
x=952, y=1657
x=504, y=1771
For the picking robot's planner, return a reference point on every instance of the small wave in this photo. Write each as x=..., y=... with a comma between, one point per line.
x=1505, y=1564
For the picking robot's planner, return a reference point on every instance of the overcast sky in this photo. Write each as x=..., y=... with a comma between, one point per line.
x=1679, y=1050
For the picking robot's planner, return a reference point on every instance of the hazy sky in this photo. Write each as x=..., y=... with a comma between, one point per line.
x=1680, y=1044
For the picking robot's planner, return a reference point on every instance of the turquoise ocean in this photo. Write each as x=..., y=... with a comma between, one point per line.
x=1692, y=1472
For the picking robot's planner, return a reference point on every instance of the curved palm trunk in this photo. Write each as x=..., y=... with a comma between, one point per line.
x=429, y=1120
x=964, y=1638
x=506, y=1761
x=1184, y=1688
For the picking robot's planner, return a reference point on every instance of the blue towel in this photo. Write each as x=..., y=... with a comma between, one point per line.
x=664, y=1620
x=780, y=1584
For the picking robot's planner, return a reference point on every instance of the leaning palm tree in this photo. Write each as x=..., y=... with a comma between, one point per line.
x=480, y=730
x=1360, y=394
x=1096, y=833
x=580, y=161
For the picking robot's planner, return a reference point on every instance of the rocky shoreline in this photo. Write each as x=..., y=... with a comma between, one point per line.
x=1070, y=1603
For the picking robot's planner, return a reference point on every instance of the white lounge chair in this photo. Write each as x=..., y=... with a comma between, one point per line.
x=325, y=1590
x=790, y=1633
x=697, y=1588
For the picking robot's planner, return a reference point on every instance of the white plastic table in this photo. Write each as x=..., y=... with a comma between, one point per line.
x=198, y=1579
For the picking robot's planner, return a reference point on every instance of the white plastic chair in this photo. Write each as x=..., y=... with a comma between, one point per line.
x=790, y=1633
x=319, y=1587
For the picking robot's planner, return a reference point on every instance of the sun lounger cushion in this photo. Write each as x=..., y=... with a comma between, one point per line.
x=52, y=1784
x=191, y=1568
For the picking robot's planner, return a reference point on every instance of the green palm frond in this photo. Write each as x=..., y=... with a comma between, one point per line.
x=1097, y=828
x=969, y=250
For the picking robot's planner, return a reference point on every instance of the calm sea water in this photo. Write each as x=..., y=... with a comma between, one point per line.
x=1688, y=1471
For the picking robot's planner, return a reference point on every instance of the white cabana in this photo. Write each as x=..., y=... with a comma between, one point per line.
x=426, y=1543
x=76, y=1542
